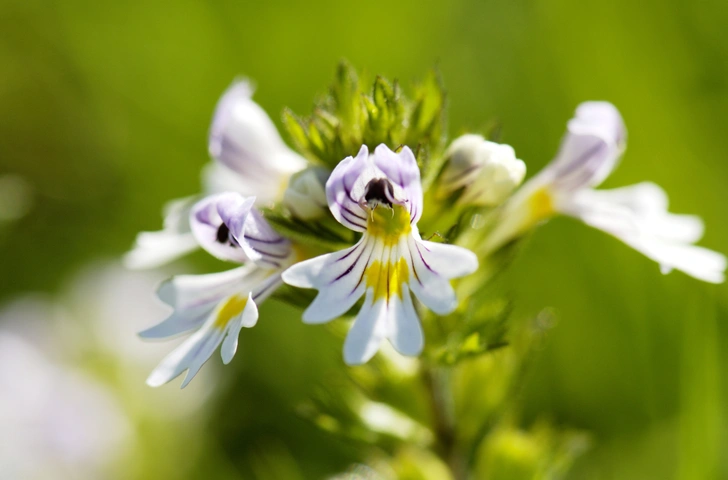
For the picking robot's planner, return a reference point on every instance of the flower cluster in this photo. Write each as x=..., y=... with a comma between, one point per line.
x=342, y=217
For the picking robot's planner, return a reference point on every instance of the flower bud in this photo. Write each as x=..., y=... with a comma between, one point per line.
x=305, y=196
x=486, y=171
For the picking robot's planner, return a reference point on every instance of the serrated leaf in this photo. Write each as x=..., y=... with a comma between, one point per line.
x=427, y=119
x=296, y=129
x=309, y=233
x=345, y=93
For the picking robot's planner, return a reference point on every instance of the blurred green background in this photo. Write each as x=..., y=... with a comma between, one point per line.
x=105, y=110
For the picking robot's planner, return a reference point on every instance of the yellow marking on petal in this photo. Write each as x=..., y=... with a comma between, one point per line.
x=389, y=224
x=231, y=308
x=387, y=279
x=541, y=204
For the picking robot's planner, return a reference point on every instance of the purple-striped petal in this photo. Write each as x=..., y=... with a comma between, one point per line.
x=245, y=140
x=212, y=232
x=402, y=170
x=593, y=144
x=262, y=244
x=345, y=190
x=339, y=278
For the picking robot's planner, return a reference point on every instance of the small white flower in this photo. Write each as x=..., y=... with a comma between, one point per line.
x=55, y=419
x=381, y=196
x=305, y=196
x=246, y=142
x=487, y=171
x=216, y=306
x=637, y=215
x=250, y=158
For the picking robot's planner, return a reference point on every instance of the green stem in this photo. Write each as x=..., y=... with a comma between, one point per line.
x=437, y=381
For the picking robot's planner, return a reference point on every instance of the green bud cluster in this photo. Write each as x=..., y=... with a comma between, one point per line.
x=355, y=114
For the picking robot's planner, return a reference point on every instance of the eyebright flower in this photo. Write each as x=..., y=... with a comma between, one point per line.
x=381, y=196
x=245, y=141
x=488, y=172
x=250, y=158
x=216, y=306
x=637, y=215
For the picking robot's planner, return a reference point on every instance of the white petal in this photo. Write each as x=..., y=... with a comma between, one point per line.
x=591, y=148
x=429, y=286
x=305, y=274
x=338, y=277
x=639, y=233
x=405, y=329
x=223, y=323
x=698, y=262
x=244, y=139
x=367, y=332
x=152, y=249
x=194, y=297
x=345, y=190
x=189, y=291
x=649, y=203
x=191, y=354
x=450, y=261
x=236, y=310
x=247, y=318
x=202, y=354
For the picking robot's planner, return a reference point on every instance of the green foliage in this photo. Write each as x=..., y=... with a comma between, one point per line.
x=110, y=140
x=324, y=235
x=352, y=115
x=539, y=453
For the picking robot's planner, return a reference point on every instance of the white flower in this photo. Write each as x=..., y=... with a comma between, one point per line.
x=57, y=422
x=245, y=141
x=250, y=158
x=637, y=215
x=216, y=306
x=305, y=196
x=381, y=196
x=487, y=171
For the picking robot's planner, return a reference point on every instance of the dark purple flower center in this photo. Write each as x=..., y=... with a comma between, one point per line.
x=379, y=192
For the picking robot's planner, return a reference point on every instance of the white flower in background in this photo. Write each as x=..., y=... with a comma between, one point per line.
x=250, y=158
x=305, y=196
x=381, y=196
x=104, y=324
x=382, y=418
x=16, y=198
x=56, y=421
x=637, y=215
x=216, y=306
x=488, y=172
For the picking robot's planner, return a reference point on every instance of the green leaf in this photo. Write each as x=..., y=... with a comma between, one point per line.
x=314, y=234
x=345, y=93
x=297, y=130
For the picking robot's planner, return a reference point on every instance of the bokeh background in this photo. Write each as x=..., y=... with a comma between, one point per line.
x=105, y=110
